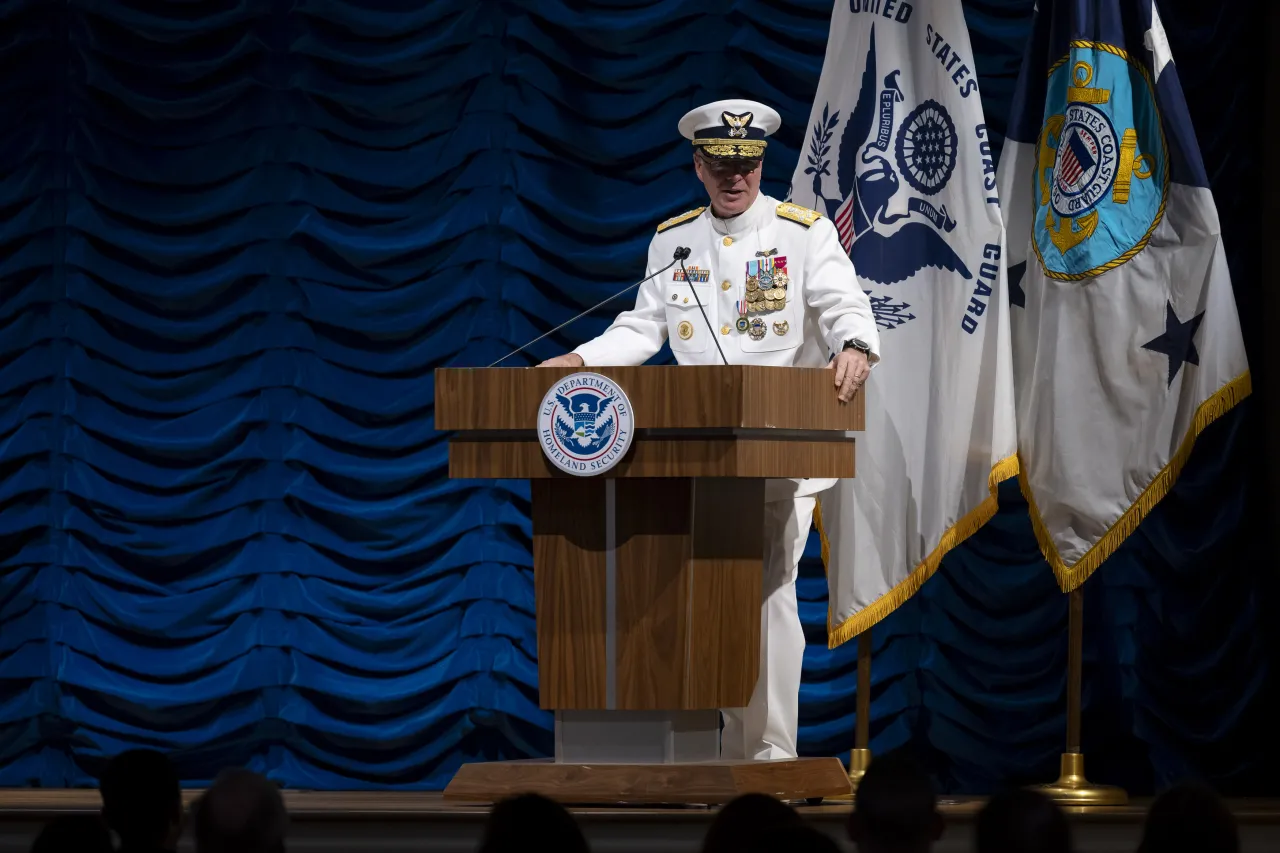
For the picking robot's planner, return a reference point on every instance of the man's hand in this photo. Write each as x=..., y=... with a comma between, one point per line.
x=569, y=359
x=851, y=369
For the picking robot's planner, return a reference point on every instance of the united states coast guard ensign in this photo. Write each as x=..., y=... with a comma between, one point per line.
x=585, y=424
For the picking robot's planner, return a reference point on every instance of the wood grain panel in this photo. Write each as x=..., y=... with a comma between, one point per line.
x=726, y=575
x=816, y=776
x=520, y=458
x=653, y=548
x=667, y=397
x=798, y=398
x=708, y=782
x=569, y=587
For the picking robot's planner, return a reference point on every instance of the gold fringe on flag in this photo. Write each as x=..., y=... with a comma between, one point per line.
x=868, y=616
x=1070, y=577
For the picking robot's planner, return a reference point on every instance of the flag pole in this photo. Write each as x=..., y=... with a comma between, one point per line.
x=1072, y=788
x=860, y=756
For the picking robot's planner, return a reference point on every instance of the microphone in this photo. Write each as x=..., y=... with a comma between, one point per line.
x=676, y=258
x=705, y=319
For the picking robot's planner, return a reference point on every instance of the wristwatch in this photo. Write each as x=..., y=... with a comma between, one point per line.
x=858, y=344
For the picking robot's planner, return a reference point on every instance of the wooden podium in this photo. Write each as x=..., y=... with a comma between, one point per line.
x=648, y=577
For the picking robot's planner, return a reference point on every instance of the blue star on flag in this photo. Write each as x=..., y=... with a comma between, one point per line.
x=1177, y=342
x=1017, y=296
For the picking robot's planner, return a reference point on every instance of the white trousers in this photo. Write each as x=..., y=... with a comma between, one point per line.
x=766, y=728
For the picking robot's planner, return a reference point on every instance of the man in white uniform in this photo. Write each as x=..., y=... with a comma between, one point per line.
x=777, y=289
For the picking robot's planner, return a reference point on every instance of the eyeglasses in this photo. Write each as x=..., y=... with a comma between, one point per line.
x=725, y=168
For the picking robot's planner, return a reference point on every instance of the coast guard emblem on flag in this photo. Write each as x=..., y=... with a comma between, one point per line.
x=888, y=242
x=1102, y=169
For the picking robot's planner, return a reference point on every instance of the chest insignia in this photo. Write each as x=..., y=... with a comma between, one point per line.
x=695, y=274
x=767, y=282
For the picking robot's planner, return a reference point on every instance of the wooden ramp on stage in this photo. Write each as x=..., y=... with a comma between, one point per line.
x=396, y=821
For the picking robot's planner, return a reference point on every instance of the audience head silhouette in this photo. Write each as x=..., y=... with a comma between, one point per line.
x=242, y=812
x=142, y=801
x=895, y=809
x=796, y=838
x=744, y=820
x=1021, y=821
x=73, y=833
x=531, y=822
x=1189, y=818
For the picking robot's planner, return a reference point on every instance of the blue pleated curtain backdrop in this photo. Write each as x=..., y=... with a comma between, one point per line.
x=237, y=236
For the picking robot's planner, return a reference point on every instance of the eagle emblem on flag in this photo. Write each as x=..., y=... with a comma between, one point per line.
x=888, y=246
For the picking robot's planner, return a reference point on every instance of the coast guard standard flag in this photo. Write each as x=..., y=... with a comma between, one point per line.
x=898, y=157
x=1126, y=342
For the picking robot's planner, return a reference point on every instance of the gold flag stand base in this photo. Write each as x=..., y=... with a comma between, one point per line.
x=859, y=761
x=860, y=755
x=1073, y=789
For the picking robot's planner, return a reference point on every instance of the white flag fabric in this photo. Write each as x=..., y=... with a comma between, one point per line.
x=1126, y=341
x=898, y=157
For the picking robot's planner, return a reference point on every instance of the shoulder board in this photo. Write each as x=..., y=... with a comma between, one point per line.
x=676, y=220
x=796, y=213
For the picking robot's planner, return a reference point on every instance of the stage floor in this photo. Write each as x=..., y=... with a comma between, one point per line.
x=395, y=821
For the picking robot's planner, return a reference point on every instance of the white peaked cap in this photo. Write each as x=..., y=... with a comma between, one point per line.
x=731, y=130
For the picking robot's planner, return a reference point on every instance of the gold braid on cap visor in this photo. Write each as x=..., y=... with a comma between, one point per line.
x=750, y=149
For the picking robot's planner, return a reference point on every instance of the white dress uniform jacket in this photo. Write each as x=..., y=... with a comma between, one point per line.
x=824, y=308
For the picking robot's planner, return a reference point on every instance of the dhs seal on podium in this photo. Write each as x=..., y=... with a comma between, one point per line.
x=585, y=424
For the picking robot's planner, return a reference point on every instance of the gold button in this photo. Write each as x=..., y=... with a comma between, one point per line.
x=724, y=285
x=728, y=241
x=724, y=330
x=686, y=300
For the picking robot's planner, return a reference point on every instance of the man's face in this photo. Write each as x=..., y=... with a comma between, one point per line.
x=732, y=185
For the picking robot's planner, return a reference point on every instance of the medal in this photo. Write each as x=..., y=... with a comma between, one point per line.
x=766, y=273
x=780, y=281
x=742, y=324
x=753, y=272
x=758, y=329
x=781, y=327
